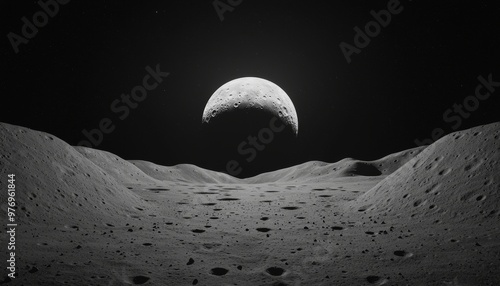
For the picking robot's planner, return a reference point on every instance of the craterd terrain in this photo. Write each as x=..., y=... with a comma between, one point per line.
x=425, y=216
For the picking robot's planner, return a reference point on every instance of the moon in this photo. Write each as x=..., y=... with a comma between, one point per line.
x=252, y=93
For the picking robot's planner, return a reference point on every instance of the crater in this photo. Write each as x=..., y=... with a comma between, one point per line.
x=364, y=208
x=228, y=199
x=417, y=203
x=138, y=280
x=403, y=253
x=290, y=208
x=432, y=189
x=363, y=169
x=219, y=271
x=372, y=279
x=275, y=271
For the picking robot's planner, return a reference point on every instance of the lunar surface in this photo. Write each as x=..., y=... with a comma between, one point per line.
x=252, y=93
x=424, y=216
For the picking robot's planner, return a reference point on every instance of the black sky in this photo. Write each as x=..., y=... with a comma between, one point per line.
x=396, y=90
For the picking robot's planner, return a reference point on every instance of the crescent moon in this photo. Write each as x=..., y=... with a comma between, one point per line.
x=252, y=93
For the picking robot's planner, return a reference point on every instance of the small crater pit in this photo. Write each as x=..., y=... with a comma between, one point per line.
x=417, y=203
x=219, y=271
x=291, y=208
x=372, y=279
x=275, y=271
x=138, y=280
x=403, y=253
x=228, y=199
